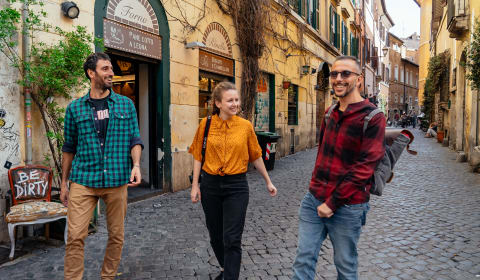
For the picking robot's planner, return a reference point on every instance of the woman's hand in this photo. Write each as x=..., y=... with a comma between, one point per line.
x=195, y=195
x=271, y=189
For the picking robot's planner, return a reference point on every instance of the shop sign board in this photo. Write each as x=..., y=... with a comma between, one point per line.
x=214, y=63
x=124, y=38
x=135, y=13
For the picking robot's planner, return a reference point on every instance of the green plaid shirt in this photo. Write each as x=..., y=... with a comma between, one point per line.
x=90, y=166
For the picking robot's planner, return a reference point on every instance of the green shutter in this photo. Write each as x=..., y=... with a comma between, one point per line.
x=332, y=36
x=337, y=31
x=314, y=14
x=351, y=45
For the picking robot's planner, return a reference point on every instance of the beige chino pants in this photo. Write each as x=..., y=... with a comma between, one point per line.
x=81, y=203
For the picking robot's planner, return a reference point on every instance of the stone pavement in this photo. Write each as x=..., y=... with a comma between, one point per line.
x=426, y=226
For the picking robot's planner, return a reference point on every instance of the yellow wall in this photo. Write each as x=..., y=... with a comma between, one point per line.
x=454, y=119
x=305, y=44
x=424, y=48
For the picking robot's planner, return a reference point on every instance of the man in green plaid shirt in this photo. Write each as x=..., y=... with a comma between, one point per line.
x=101, y=158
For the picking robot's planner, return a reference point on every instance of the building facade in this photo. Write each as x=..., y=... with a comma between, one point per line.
x=447, y=25
x=403, y=85
x=169, y=55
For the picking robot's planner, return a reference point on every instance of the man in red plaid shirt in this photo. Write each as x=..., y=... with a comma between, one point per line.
x=337, y=202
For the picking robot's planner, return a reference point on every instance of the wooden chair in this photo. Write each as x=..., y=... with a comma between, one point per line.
x=31, y=188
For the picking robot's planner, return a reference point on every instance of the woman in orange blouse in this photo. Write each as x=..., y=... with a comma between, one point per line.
x=224, y=194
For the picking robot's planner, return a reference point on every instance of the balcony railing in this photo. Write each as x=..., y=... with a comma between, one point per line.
x=457, y=17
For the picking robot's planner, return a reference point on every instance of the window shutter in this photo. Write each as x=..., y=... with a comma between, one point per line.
x=343, y=37
x=332, y=37
x=337, y=31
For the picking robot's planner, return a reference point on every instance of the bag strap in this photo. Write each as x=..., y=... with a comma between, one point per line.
x=369, y=117
x=205, y=136
x=329, y=112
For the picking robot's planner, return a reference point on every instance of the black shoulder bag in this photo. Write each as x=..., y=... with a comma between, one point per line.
x=204, y=147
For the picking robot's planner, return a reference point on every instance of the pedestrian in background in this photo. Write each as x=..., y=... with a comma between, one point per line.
x=223, y=191
x=337, y=201
x=101, y=141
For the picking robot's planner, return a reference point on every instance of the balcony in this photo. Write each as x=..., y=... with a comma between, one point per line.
x=457, y=18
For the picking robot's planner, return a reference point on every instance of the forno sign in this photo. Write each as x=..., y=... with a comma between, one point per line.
x=135, y=13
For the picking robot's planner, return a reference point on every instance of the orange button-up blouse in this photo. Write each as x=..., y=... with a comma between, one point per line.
x=231, y=144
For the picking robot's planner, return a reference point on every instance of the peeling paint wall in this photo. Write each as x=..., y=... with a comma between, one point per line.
x=10, y=132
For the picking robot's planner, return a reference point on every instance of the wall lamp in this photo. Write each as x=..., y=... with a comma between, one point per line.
x=70, y=9
x=385, y=51
x=194, y=45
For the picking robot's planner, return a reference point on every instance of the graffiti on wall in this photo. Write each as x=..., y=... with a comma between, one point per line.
x=9, y=141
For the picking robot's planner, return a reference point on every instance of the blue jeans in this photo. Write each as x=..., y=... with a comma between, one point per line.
x=343, y=228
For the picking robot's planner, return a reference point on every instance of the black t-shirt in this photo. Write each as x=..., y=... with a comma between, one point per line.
x=101, y=116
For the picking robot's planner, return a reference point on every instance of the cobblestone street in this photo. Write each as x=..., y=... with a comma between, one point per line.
x=425, y=226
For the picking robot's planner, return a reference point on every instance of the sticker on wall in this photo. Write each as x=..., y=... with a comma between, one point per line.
x=7, y=165
x=2, y=116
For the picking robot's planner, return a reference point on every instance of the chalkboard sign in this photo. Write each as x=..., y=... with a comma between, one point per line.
x=30, y=183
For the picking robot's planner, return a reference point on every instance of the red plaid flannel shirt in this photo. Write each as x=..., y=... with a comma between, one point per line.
x=347, y=157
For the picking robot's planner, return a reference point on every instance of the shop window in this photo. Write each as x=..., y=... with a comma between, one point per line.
x=206, y=84
x=124, y=79
x=262, y=104
x=293, y=105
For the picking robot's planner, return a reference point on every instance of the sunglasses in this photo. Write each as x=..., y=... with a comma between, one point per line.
x=344, y=74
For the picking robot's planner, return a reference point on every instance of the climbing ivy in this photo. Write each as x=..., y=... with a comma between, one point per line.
x=437, y=75
x=473, y=57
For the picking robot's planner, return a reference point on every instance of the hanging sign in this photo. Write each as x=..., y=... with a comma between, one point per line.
x=135, y=13
x=121, y=37
x=214, y=63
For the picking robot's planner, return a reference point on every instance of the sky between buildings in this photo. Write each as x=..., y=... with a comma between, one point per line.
x=406, y=16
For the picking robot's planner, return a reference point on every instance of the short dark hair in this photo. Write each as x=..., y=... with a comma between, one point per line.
x=349, y=57
x=91, y=62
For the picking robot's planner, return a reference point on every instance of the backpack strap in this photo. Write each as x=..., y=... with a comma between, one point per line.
x=205, y=136
x=329, y=112
x=369, y=117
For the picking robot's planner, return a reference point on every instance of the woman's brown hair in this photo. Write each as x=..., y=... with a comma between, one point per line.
x=217, y=94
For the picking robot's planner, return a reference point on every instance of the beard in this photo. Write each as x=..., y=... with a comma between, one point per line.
x=103, y=85
x=348, y=90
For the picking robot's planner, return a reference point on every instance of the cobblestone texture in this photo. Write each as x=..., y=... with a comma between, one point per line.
x=426, y=226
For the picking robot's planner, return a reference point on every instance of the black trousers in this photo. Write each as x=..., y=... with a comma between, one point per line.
x=225, y=201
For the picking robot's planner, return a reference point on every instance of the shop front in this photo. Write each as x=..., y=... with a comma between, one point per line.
x=135, y=35
x=215, y=63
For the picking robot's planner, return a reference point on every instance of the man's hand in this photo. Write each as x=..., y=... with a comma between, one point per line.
x=324, y=211
x=135, y=177
x=64, y=193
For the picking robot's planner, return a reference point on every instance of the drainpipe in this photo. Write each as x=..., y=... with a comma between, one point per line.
x=405, y=105
x=28, y=97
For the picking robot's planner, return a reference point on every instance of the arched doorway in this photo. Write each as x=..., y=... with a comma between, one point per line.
x=136, y=36
x=322, y=90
